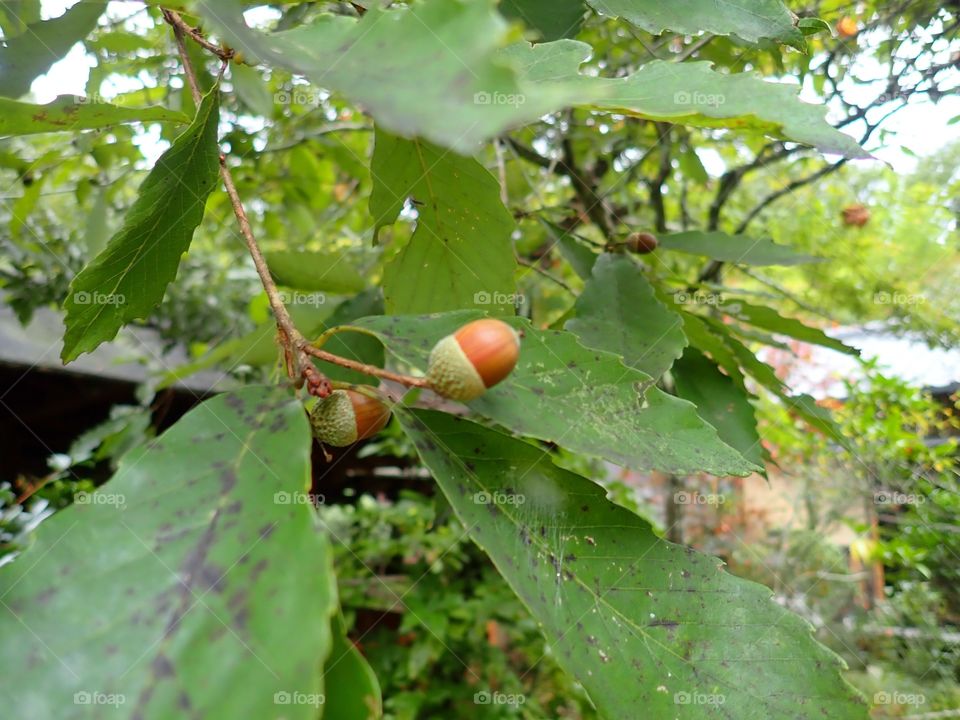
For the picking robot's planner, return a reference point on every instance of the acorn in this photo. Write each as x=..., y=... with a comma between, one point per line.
x=856, y=215
x=641, y=242
x=847, y=27
x=476, y=357
x=345, y=416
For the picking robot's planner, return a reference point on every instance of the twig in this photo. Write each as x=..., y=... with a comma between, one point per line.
x=655, y=184
x=787, y=189
x=592, y=203
x=366, y=369
x=297, y=350
x=695, y=48
x=534, y=266
x=174, y=19
x=585, y=188
x=501, y=173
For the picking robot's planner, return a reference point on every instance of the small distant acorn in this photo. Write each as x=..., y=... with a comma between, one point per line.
x=346, y=416
x=856, y=215
x=641, y=242
x=476, y=357
x=847, y=27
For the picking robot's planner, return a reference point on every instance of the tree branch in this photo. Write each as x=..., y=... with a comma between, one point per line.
x=366, y=369
x=297, y=350
x=174, y=19
x=663, y=172
x=586, y=193
x=535, y=267
x=585, y=190
x=787, y=189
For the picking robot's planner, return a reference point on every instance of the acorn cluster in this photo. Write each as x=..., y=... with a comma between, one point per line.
x=461, y=367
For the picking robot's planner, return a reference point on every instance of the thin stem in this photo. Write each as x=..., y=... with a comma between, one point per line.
x=174, y=19
x=695, y=48
x=298, y=364
x=327, y=334
x=366, y=369
x=534, y=266
x=297, y=350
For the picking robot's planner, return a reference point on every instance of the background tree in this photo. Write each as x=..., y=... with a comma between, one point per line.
x=388, y=173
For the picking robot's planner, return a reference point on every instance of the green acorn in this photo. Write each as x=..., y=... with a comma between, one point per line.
x=345, y=416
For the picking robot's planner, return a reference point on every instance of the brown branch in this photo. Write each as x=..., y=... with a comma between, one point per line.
x=584, y=188
x=787, y=189
x=535, y=267
x=695, y=48
x=732, y=178
x=174, y=19
x=297, y=350
x=366, y=369
x=530, y=154
x=663, y=172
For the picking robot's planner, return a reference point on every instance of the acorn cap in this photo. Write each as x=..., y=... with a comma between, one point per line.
x=346, y=416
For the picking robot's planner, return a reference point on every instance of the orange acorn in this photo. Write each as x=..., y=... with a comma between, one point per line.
x=857, y=215
x=476, y=357
x=847, y=27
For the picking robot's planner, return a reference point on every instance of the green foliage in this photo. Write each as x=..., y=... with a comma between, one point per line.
x=67, y=114
x=311, y=271
x=720, y=402
x=550, y=19
x=459, y=256
x=459, y=629
x=129, y=277
x=899, y=461
x=689, y=93
x=173, y=558
x=618, y=311
x=735, y=248
x=616, y=604
x=751, y=21
x=408, y=168
x=39, y=44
